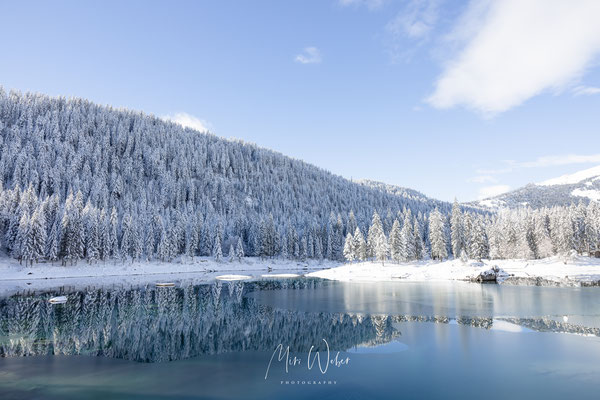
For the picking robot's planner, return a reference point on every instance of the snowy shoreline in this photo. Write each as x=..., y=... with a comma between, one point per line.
x=42, y=276
x=552, y=271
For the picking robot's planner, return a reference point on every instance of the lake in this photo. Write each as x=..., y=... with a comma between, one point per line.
x=301, y=338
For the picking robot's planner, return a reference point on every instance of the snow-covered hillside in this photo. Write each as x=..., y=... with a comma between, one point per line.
x=83, y=181
x=561, y=191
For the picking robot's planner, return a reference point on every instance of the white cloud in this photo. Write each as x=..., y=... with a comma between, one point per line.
x=491, y=191
x=586, y=90
x=513, y=50
x=545, y=161
x=370, y=4
x=416, y=20
x=310, y=55
x=483, y=179
x=187, y=121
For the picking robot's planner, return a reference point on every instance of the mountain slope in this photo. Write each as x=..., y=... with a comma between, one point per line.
x=155, y=189
x=567, y=189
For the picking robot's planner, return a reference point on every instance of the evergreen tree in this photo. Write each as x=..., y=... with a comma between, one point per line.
x=407, y=239
x=396, y=242
x=437, y=236
x=456, y=230
x=377, y=242
x=239, y=250
x=349, y=252
x=231, y=253
x=217, y=250
x=360, y=246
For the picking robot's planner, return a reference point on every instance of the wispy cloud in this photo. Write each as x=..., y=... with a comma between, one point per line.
x=586, y=90
x=310, y=55
x=416, y=20
x=411, y=28
x=187, y=121
x=482, y=179
x=491, y=191
x=545, y=161
x=370, y=4
x=512, y=50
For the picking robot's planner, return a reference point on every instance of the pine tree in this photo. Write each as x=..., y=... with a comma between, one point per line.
x=456, y=230
x=418, y=240
x=437, y=236
x=231, y=253
x=24, y=249
x=113, y=242
x=37, y=233
x=407, y=239
x=349, y=251
x=217, y=250
x=53, y=240
x=377, y=242
x=126, y=236
x=239, y=250
x=360, y=246
x=396, y=242
x=479, y=241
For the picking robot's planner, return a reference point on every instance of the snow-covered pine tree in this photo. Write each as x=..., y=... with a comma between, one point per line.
x=419, y=247
x=113, y=242
x=437, y=236
x=407, y=239
x=37, y=233
x=456, y=230
x=396, y=242
x=126, y=237
x=479, y=241
x=217, y=250
x=349, y=252
x=23, y=250
x=359, y=244
x=231, y=254
x=239, y=250
x=377, y=241
x=375, y=230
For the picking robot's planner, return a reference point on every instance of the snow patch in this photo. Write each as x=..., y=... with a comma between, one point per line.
x=280, y=275
x=232, y=277
x=590, y=194
x=570, y=179
x=58, y=300
x=505, y=326
x=555, y=269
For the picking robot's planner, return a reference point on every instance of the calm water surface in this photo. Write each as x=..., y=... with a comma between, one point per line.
x=302, y=338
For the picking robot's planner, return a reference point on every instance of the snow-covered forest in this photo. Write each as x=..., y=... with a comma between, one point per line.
x=523, y=233
x=85, y=183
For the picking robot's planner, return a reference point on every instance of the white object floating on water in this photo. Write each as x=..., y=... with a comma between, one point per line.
x=565, y=318
x=233, y=277
x=165, y=284
x=58, y=300
x=280, y=275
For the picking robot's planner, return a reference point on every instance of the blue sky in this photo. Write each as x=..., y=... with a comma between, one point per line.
x=454, y=99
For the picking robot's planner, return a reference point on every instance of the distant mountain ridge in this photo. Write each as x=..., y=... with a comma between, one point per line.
x=581, y=186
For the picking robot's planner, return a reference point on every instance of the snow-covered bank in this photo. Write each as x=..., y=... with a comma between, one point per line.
x=14, y=276
x=549, y=271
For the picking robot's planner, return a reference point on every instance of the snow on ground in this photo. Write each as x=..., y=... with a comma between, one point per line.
x=553, y=269
x=15, y=277
x=590, y=194
x=573, y=178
